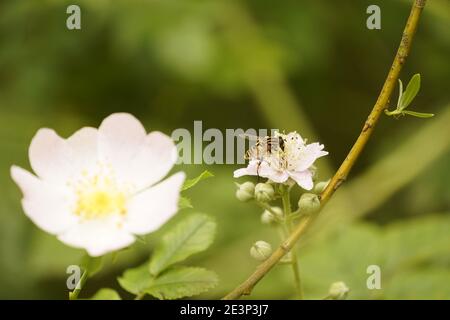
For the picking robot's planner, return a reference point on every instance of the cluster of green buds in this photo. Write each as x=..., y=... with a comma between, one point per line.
x=265, y=195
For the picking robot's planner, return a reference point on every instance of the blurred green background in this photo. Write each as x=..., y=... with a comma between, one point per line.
x=312, y=66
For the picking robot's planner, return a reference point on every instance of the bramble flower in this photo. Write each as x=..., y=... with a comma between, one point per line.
x=290, y=159
x=100, y=187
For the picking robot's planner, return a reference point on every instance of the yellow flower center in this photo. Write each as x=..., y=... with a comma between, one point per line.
x=98, y=197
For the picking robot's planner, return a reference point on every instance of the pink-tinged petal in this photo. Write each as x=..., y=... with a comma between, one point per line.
x=252, y=169
x=277, y=176
x=84, y=145
x=45, y=204
x=120, y=137
x=240, y=173
x=266, y=171
x=98, y=236
x=50, y=156
x=150, y=209
x=303, y=179
x=156, y=157
x=308, y=155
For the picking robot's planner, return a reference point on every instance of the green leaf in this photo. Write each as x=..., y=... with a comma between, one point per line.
x=92, y=264
x=418, y=114
x=191, y=235
x=192, y=182
x=184, y=203
x=179, y=282
x=410, y=93
x=400, y=92
x=136, y=280
x=176, y=282
x=106, y=294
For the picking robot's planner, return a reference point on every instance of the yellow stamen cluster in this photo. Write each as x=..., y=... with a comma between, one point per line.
x=99, y=196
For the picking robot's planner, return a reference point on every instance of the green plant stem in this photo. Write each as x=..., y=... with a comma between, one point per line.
x=74, y=294
x=294, y=258
x=341, y=175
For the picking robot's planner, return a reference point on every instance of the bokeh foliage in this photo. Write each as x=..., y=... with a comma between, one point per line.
x=312, y=66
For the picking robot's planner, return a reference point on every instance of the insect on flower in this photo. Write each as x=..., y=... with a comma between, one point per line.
x=283, y=157
x=264, y=148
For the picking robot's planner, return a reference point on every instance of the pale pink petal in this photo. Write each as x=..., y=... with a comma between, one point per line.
x=120, y=137
x=308, y=155
x=276, y=176
x=252, y=169
x=98, y=236
x=84, y=145
x=46, y=205
x=156, y=157
x=50, y=156
x=303, y=179
x=150, y=209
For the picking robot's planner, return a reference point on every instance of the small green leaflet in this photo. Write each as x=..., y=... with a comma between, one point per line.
x=136, y=280
x=400, y=92
x=419, y=114
x=184, y=203
x=174, y=283
x=410, y=93
x=106, y=294
x=405, y=98
x=179, y=282
x=191, y=235
x=192, y=182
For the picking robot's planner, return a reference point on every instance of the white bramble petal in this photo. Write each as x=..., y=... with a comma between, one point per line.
x=84, y=145
x=250, y=170
x=50, y=156
x=153, y=161
x=98, y=236
x=120, y=137
x=303, y=179
x=150, y=209
x=308, y=155
x=241, y=172
x=44, y=204
x=277, y=176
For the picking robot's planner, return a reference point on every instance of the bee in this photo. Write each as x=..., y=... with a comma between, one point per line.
x=263, y=148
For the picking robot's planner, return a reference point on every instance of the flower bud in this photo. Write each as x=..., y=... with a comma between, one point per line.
x=320, y=186
x=261, y=250
x=269, y=217
x=309, y=203
x=264, y=192
x=245, y=191
x=338, y=291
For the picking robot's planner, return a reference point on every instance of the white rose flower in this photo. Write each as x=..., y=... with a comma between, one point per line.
x=294, y=159
x=100, y=187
